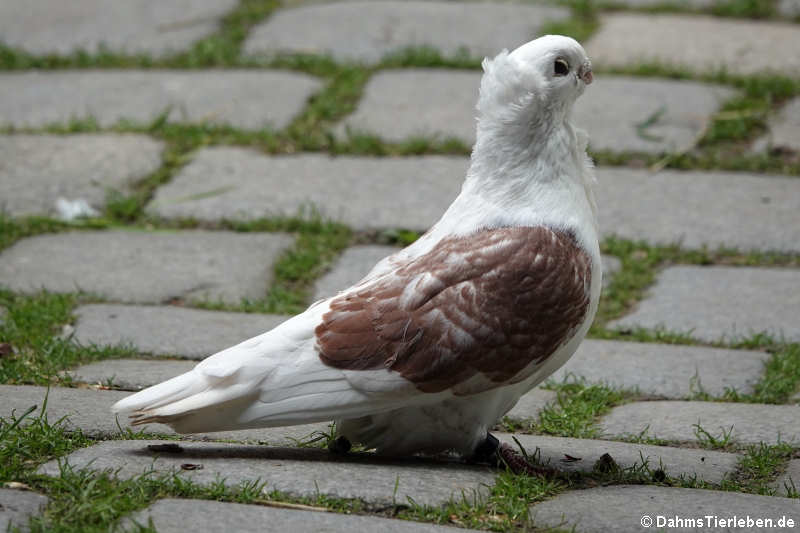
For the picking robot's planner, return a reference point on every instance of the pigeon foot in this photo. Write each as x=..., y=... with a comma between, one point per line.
x=339, y=446
x=517, y=463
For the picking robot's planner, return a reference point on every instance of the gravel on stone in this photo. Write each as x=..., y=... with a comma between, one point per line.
x=364, y=192
x=367, y=31
x=302, y=472
x=664, y=370
x=399, y=104
x=251, y=99
x=783, y=129
x=177, y=516
x=624, y=508
x=130, y=374
x=746, y=423
x=168, y=330
x=38, y=170
x=146, y=267
x=706, y=465
x=746, y=211
x=17, y=507
x=90, y=411
x=354, y=263
x=144, y=26
x=789, y=481
x=702, y=44
x=721, y=302
x=531, y=403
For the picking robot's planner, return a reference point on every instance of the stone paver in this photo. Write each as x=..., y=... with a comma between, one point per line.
x=243, y=184
x=530, y=404
x=706, y=465
x=168, y=330
x=37, y=170
x=701, y=44
x=671, y=420
x=784, y=129
x=144, y=26
x=130, y=374
x=250, y=99
x=717, y=302
x=697, y=208
x=16, y=508
x=90, y=411
x=366, y=31
x=789, y=480
x=668, y=371
x=178, y=516
x=623, y=509
x=300, y=472
x=404, y=103
x=139, y=266
x=789, y=8
x=356, y=262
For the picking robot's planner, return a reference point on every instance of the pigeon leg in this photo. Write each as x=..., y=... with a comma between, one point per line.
x=339, y=446
x=499, y=454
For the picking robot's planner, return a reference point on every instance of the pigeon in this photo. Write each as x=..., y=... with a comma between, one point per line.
x=439, y=340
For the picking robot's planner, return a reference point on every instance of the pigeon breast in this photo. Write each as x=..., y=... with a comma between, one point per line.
x=490, y=303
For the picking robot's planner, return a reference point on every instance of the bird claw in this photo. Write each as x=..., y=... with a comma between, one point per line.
x=518, y=464
x=339, y=446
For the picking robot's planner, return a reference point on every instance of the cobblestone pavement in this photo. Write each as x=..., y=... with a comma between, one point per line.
x=178, y=176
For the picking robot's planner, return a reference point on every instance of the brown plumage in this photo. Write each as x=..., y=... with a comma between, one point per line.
x=490, y=303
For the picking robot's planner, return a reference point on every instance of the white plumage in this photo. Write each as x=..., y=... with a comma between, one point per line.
x=443, y=337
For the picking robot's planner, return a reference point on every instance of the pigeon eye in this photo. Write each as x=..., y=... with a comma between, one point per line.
x=561, y=67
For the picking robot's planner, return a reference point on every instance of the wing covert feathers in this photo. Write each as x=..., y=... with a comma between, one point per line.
x=490, y=303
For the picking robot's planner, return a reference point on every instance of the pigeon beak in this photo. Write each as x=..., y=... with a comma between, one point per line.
x=585, y=72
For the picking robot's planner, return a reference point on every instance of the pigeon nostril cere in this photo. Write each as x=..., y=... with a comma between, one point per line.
x=587, y=77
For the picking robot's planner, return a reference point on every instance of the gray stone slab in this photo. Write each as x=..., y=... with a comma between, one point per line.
x=300, y=472
x=623, y=509
x=783, y=129
x=699, y=43
x=672, y=420
x=531, y=403
x=789, y=482
x=251, y=99
x=178, y=516
x=746, y=211
x=399, y=104
x=367, y=31
x=428, y=102
x=37, y=170
x=354, y=263
x=130, y=374
x=789, y=8
x=143, y=267
x=611, y=265
x=720, y=302
x=17, y=507
x=664, y=370
x=615, y=108
x=690, y=463
x=168, y=330
x=364, y=192
x=90, y=411
x=144, y=26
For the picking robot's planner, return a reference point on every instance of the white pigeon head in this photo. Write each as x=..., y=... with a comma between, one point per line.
x=539, y=80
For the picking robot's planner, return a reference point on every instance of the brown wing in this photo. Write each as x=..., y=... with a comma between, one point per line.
x=490, y=303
